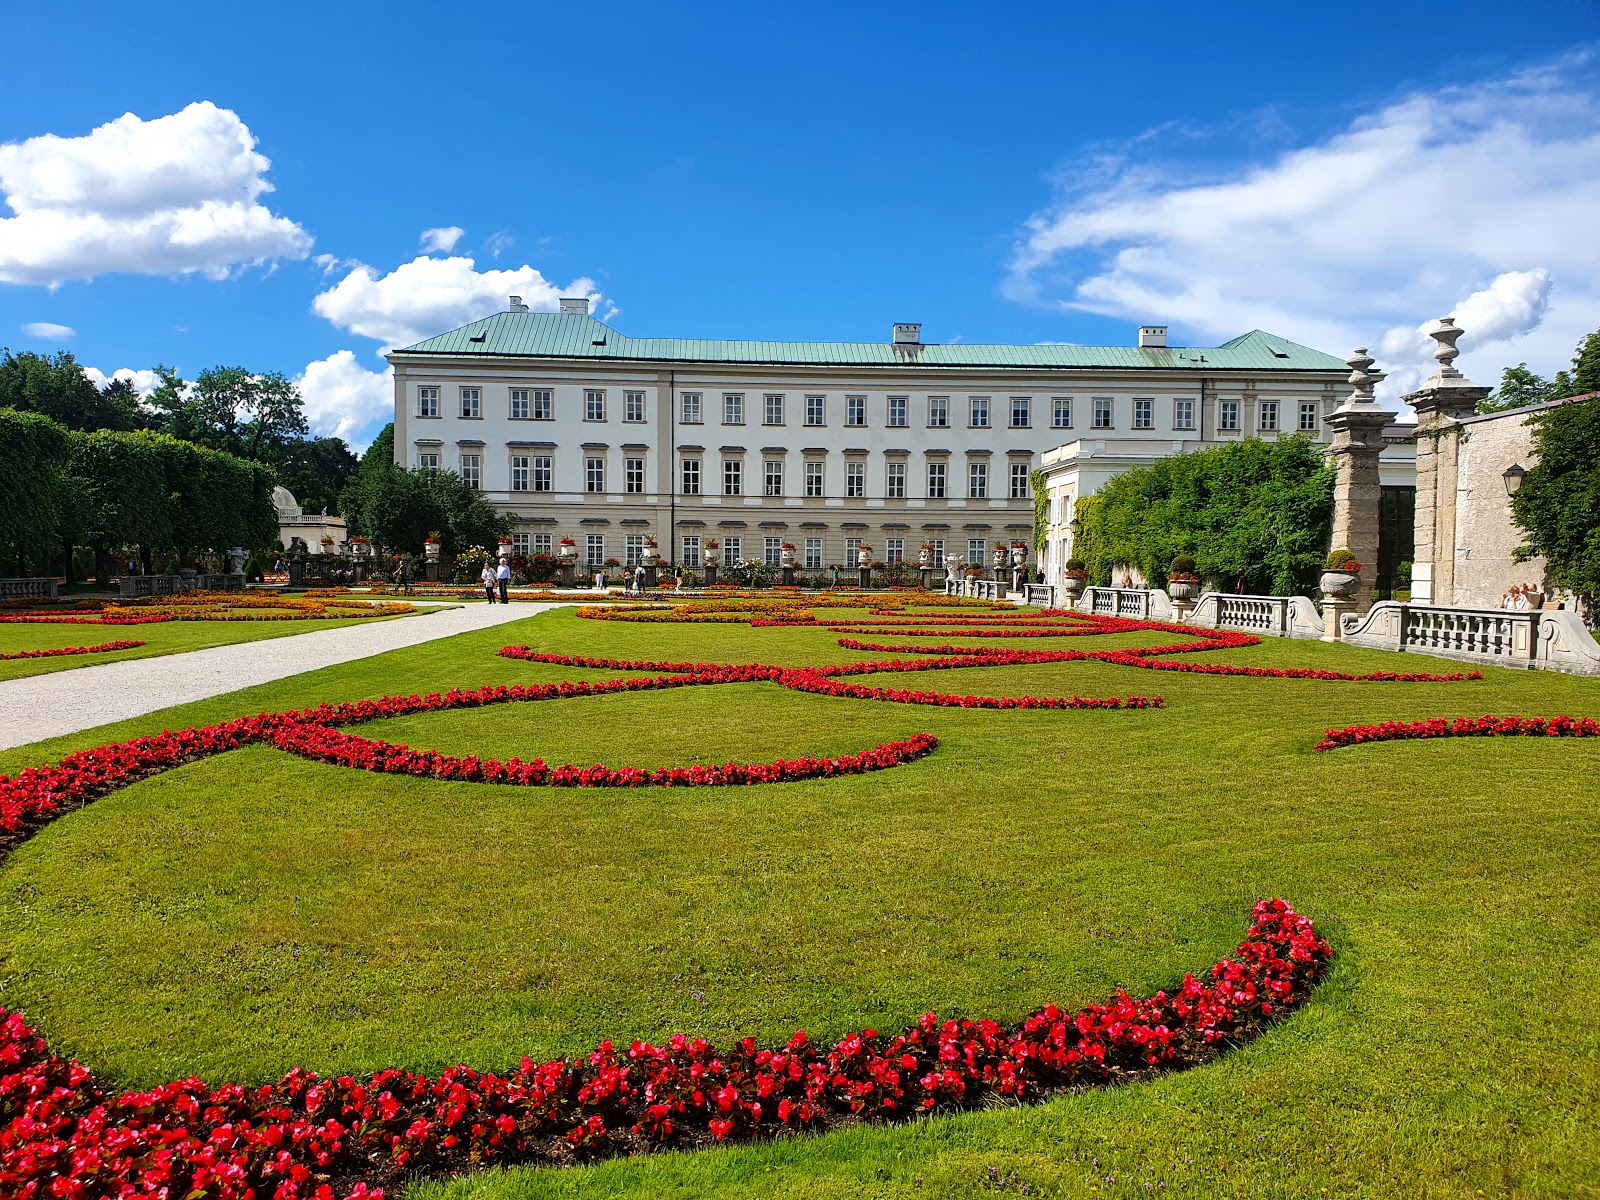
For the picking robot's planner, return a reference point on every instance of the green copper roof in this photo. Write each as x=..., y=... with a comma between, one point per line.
x=565, y=335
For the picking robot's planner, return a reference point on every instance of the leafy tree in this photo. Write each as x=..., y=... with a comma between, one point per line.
x=1558, y=503
x=56, y=387
x=1585, y=367
x=229, y=409
x=35, y=500
x=1519, y=387
x=316, y=471
x=399, y=507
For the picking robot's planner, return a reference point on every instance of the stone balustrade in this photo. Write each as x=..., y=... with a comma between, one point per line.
x=1276, y=616
x=167, y=585
x=23, y=589
x=1041, y=595
x=1141, y=604
x=1556, y=641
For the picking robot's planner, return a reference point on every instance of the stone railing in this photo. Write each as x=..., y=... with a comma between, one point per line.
x=986, y=589
x=1143, y=604
x=1556, y=641
x=1277, y=616
x=1042, y=595
x=22, y=589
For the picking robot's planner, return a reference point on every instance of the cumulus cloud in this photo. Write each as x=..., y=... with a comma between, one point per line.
x=441, y=240
x=1473, y=201
x=49, y=331
x=144, y=382
x=428, y=296
x=170, y=196
x=344, y=399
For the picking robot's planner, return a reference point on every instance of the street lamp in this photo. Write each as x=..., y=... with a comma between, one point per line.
x=1513, y=476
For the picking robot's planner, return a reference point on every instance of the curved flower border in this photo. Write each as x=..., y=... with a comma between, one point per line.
x=102, y=648
x=309, y=1137
x=1487, y=725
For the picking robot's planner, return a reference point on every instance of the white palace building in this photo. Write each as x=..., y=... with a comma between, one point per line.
x=581, y=431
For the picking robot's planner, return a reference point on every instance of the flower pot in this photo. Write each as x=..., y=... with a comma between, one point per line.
x=1340, y=584
x=711, y=557
x=430, y=551
x=1183, y=590
x=1073, y=584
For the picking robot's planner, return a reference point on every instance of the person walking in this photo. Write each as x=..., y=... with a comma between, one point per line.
x=502, y=576
x=638, y=579
x=402, y=577
x=488, y=582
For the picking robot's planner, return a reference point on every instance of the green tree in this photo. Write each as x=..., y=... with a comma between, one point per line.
x=316, y=471
x=56, y=387
x=35, y=498
x=257, y=417
x=399, y=508
x=1519, y=387
x=1558, y=504
x=1585, y=368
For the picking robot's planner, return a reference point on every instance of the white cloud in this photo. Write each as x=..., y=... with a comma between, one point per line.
x=428, y=296
x=498, y=243
x=441, y=240
x=1482, y=191
x=169, y=196
x=144, y=382
x=49, y=331
x=344, y=399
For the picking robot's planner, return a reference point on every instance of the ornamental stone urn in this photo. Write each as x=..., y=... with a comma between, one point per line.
x=1340, y=584
x=1183, y=591
x=430, y=552
x=924, y=557
x=786, y=557
x=863, y=556
x=710, y=556
x=651, y=556
x=1073, y=585
x=236, y=560
x=505, y=549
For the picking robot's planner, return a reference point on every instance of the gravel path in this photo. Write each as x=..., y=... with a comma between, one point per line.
x=47, y=706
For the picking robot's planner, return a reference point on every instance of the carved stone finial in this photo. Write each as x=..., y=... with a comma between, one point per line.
x=1362, y=378
x=1446, y=333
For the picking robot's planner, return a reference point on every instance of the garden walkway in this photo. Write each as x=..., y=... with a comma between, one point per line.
x=47, y=706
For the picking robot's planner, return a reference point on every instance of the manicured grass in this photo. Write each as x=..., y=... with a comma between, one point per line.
x=168, y=637
x=254, y=911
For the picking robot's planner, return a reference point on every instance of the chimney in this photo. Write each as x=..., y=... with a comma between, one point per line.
x=1152, y=337
x=575, y=306
x=517, y=305
x=908, y=333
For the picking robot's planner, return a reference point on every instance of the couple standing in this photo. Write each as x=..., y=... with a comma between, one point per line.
x=494, y=577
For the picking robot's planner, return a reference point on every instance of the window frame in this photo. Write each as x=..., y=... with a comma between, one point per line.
x=772, y=408
x=475, y=396
x=594, y=404
x=1227, y=416
x=543, y=401
x=816, y=477
x=694, y=401
x=544, y=464
x=633, y=402
x=594, y=470
x=894, y=481
x=472, y=470
x=689, y=475
x=733, y=476
x=1313, y=410
x=938, y=412
x=978, y=407
x=1144, y=412
x=1024, y=489
x=855, y=411
x=1024, y=406
x=1060, y=405
x=977, y=479
x=816, y=407
x=1183, y=415
x=855, y=481
x=733, y=408
x=772, y=477
x=941, y=472
x=1106, y=405
x=428, y=398
x=633, y=476
x=520, y=398
x=521, y=476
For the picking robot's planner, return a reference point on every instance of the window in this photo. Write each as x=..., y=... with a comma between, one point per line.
x=773, y=469
x=978, y=480
x=855, y=480
x=428, y=402
x=733, y=408
x=895, y=483
x=897, y=411
x=975, y=549
x=544, y=404
x=1061, y=412
x=471, y=403
x=594, y=406
x=691, y=477
x=938, y=412
x=850, y=544
x=855, y=410
x=1144, y=414
x=594, y=474
x=522, y=543
x=938, y=551
x=595, y=548
x=814, y=479
x=772, y=551
x=691, y=550
x=519, y=404
x=1269, y=415
x=544, y=472
x=816, y=410
x=1308, y=416
x=1228, y=416
x=1021, y=412
x=519, y=472
x=632, y=549
x=813, y=558
x=732, y=551
x=980, y=412
x=544, y=543
x=1183, y=414
x=1021, y=489
x=936, y=480
x=633, y=406
x=691, y=408
x=1102, y=412
x=428, y=460
x=774, y=410
x=472, y=470
x=894, y=550
x=732, y=477
x=633, y=476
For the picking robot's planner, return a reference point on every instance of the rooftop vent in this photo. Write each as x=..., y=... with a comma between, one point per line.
x=908, y=333
x=1152, y=337
x=517, y=305
x=575, y=306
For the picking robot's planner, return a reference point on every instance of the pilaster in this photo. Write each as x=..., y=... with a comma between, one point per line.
x=1357, y=426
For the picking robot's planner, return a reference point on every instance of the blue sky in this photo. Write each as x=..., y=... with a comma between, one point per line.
x=1029, y=173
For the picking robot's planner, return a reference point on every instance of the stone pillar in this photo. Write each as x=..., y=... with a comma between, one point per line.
x=1357, y=427
x=1333, y=609
x=788, y=576
x=1441, y=403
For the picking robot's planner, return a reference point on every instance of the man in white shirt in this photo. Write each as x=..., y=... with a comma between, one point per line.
x=502, y=577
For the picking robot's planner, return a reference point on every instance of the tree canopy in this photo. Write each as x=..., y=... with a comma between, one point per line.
x=1558, y=503
x=1520, y=387
x=398, y=508
x=56, y=387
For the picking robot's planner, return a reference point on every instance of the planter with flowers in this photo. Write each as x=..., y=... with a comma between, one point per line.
x=786, y=554
x=431, y=547
x=567, y=551
x=925, y=554
x=1183, y=585
x=1074, y=577
x=711, y=552
x=863, y=555
x=652, y=553
x=1341, y=575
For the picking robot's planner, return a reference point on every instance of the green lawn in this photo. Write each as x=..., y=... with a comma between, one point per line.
x=168, y=637
x=255, y=911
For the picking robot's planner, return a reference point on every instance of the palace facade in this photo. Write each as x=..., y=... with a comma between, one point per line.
x=578, y=430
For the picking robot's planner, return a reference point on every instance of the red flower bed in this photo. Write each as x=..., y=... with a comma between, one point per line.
x=102, y=648
x=66, y=1134
x=1446, y=727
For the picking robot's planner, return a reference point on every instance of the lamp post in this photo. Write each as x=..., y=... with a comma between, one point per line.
x=1513, y=477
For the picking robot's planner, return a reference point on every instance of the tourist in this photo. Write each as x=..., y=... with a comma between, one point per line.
x=502, y=576
x=402, y=577
x=677, y=578
x=488, y=582
x=600, y=580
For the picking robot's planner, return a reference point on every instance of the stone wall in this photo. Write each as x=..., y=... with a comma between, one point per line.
x=1486, y=536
